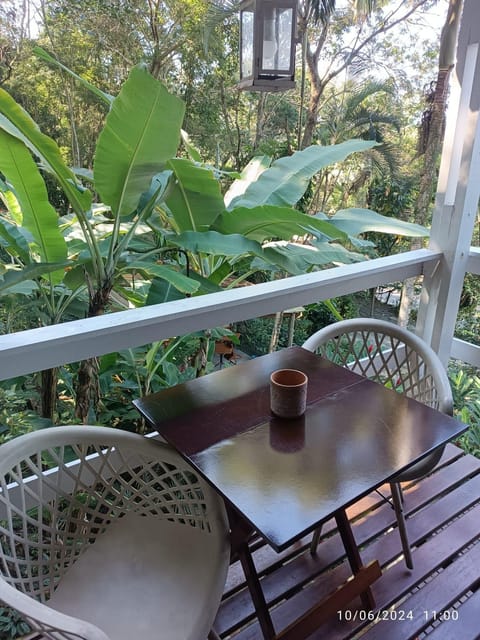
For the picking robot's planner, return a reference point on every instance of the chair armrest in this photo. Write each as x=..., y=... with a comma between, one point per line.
x=48, y=619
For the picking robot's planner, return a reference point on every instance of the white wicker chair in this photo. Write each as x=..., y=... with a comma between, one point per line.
x=400, y=360
x=120, y=539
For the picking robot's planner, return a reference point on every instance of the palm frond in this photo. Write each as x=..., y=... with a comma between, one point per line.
x=218, y=11
x=321, y=10
x=363, y=91
x=372, y=119
x=385, y=159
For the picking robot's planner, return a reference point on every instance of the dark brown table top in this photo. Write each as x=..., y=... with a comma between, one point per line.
x=286, y=476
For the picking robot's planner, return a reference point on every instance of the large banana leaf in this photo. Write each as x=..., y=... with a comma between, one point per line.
x=12, y=278
x=195, y=200
x=162, y=291
x=17, y=122
x=190, y=148
x=285, y=182
x=142, y=132
x=267, y=222
x=297, y=259
x=14, y=241
x=11, y=202
x=250, y=173
x=355, y=221
x=216, y=244
x=175, y=278
x=39, y=217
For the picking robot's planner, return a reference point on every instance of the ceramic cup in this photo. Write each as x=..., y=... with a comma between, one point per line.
x=288, y=393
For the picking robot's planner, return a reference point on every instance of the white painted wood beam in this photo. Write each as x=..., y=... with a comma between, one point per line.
x=473, y=262
x=466, y=352
x=457, y=193
x=30, y=351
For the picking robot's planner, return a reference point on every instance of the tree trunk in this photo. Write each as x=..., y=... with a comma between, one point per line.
x=317, y=87
x=49, y=379
x=316, y=91
x=261, y=115
x=87, y=390
x=87, y=393
x=434, y=128
x=277, y=327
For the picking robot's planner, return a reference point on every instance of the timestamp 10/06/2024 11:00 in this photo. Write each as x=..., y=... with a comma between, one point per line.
x=397, y=614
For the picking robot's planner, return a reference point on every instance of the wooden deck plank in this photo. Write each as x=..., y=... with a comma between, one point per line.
x=397, y=581
x=438, y=595
x=394, y=583
x=466, y=626
x=389, y=548
x=295, y=580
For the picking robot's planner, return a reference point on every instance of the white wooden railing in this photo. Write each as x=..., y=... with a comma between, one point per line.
x=460, y=349
x=37, y=349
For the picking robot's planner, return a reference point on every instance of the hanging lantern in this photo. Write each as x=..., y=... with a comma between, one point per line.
x=267, y=45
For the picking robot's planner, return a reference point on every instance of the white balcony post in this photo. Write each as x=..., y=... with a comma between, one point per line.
x=457, y=193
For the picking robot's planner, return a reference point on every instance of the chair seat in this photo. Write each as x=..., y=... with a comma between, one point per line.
x=130, y=581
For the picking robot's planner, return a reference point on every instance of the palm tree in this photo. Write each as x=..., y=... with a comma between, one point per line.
x=314, y=25
x=356, y=112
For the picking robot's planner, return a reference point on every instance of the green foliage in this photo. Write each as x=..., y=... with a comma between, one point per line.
x=11, y=624
x=321, y=314
x=159, y=228
x=255, y=335
x=136, y=372
x=129, y=155
x=393, y=197
x=466, y=397
x=19, y=400
x=467, y=326
x=285, y=182
x=470, y=298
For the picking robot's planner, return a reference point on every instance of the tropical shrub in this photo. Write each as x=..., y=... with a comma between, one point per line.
x=466, y=400
x=146, y=226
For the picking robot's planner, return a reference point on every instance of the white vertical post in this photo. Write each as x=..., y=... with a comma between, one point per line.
x=458, y=192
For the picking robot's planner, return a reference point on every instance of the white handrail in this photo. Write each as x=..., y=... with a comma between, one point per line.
x=37, y=349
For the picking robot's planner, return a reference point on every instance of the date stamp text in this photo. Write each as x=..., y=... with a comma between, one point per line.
x=428, y=615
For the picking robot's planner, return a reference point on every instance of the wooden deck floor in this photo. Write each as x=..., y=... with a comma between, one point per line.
x=439, y=599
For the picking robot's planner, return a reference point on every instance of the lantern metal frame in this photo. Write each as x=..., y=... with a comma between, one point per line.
x=258, y=76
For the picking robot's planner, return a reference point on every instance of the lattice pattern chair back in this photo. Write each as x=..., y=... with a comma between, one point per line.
x=60, y=488
x=398, y=359
x=389, y=355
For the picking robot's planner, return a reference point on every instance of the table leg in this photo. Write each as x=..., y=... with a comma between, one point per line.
x=353, y=555
x=256, y=592
x=240, y=533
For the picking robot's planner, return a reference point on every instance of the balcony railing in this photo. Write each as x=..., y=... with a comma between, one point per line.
x=46, y=347
x=37, y=349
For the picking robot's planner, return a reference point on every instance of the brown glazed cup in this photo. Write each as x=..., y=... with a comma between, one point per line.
x=288, y=393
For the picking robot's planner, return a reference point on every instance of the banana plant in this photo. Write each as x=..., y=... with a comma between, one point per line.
x=142, y=132
x=142, y=204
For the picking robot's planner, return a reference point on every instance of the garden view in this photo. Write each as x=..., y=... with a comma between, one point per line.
x=134, y=172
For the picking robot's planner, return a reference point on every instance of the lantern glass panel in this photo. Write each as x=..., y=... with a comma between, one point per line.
x=277, y=39
x=246, y=39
